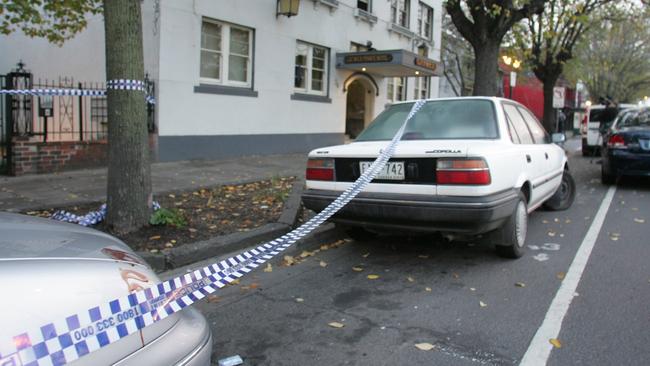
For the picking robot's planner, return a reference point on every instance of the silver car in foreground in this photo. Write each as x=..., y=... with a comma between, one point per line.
x=50, y=270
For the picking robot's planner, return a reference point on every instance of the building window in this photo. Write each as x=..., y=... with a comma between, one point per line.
x=399, y=12
x=364, y=5
x=226, y=54
x=311, y=69
x=422, y=87
x=396, y=90
x=425, y=21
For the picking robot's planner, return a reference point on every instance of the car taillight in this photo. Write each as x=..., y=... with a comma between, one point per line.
x=616, y=142
x=320, y=169
x=463, y=171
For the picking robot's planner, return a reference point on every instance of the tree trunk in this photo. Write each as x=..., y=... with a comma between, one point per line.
x=549, y=120
x=129, y=175
x=485, y=69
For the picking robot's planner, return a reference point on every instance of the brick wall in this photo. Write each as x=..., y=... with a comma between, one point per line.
x=32, y=157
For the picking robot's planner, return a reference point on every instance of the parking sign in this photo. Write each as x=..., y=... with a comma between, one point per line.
x=558, y=96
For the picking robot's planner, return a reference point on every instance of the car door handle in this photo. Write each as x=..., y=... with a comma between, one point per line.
x=528, y=159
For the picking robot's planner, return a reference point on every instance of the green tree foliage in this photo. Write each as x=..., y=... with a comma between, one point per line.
x=548, y=40
x=484, y=23
x=54, y=20
x=613, y=59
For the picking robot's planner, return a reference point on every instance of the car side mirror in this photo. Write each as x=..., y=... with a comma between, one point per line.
x=558, y=138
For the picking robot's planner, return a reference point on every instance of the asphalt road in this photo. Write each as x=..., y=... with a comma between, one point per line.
x=472, y=306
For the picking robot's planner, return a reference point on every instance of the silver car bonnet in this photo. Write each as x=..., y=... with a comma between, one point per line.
x=34, y=237
x=50, y=270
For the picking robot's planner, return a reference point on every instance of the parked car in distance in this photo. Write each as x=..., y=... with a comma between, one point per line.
x=597, y=119
x=51, y=270
x=626, y=146
x=465, y=166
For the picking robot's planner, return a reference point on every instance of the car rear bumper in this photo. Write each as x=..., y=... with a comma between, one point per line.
x=624, y=162
x=424, y=213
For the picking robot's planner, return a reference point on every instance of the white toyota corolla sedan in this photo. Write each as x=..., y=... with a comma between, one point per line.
x=465, y=166
x=51, y=270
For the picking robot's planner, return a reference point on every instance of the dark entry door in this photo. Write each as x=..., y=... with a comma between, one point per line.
x=356, y=109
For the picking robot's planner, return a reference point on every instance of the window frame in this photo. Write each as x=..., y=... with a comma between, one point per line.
x=368, y=3
x=309, y=69
x=224, y=68
x=514, y=124
x=422, y=27
x=396, y=11
x=422, y=83
x=532, y=121
x=392, y=87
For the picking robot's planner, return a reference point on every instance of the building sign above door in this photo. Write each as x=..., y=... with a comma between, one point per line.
x=389, y=63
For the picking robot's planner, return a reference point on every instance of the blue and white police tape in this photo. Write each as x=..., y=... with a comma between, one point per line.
x=91, y=218
x=66, y=340
x=118, y=84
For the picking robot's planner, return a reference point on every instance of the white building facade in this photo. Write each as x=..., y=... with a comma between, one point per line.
x=234, y=78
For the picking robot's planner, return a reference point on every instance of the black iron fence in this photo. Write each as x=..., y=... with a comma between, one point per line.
x=54, y=118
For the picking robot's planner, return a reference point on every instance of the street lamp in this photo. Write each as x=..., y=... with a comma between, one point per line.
x=512, y=61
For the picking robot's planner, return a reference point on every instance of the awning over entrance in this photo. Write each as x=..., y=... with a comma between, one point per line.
x=389, y=63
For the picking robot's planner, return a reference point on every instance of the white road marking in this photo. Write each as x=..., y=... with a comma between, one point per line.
x=540, y=348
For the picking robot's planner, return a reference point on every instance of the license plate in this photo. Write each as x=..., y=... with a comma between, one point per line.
x=393, y=170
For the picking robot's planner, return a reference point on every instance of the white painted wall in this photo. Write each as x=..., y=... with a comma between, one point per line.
x=184, y=112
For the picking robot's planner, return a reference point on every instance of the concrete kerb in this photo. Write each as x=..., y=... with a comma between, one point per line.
x=194, y=252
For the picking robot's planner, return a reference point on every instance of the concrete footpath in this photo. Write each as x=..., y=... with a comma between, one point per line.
x=89, y=185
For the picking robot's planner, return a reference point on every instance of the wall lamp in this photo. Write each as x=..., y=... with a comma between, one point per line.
x=287, y=8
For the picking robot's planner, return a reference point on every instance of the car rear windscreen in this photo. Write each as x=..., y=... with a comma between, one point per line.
x=443, y=119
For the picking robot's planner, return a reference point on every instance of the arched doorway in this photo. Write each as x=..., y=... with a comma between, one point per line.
x=360, y=101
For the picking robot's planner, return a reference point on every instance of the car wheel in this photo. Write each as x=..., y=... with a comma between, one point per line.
x=605, y=177
x=563, y=198
x=510, y=238
x=357, y=233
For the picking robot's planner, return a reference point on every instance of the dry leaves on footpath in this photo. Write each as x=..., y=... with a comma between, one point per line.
x=336, y=325
x=372, y=277
x=555, y=342
x=424, y=346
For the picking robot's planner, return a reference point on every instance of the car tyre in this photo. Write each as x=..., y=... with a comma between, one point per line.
x=605, y=177
x=511, y=237
x=563, y=198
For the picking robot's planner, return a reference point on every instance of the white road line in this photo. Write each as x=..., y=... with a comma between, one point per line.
x=540, y=348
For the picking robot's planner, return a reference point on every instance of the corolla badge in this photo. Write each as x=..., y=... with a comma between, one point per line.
x=443, y=151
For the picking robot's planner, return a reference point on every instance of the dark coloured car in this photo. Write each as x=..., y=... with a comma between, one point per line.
x=626, y=147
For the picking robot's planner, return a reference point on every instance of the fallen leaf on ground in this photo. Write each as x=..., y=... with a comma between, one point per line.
x=235, y=282
x=425, y=346
x=192, y=230
x=299, y=299
x=324, y=247
x=567, y=221
x=482, y=304
x=336, y=325
x=372, y=277
x=555, y=342
x=410, y=279
x=427, y=289
x=288, y=260
x=551, y=233
x=269, y=268
x=366, y=255
x=472, y=289
x=172, y=196
x=357, y=269
x=254, y=285
x=520, y=284
x=545, y=221
x=323, y=264
x=560, y=275
x=155, y=237
x=455, y=275
x=640, y=221
x=306, y=254
x=213, y=298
